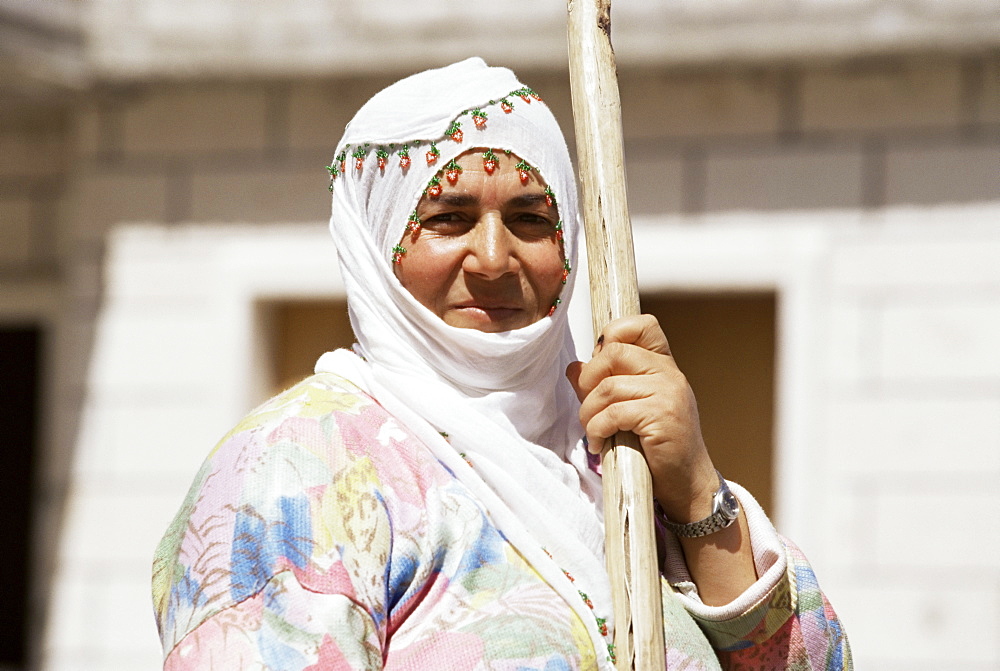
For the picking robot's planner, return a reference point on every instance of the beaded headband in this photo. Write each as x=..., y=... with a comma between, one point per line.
x=454, y=132
x=450, y=171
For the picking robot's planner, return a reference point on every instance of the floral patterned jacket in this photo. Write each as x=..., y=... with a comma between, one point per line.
x=320, y=534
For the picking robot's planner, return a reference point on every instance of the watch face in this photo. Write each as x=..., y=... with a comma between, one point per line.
x=730, y=506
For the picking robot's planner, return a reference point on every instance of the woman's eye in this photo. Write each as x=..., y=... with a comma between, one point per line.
x=448, y=216
x=532, y=224
x=445, y=222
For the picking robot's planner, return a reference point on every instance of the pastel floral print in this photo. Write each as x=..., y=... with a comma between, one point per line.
x=321, y=535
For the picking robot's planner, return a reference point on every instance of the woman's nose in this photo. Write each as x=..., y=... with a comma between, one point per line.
x=491, y=249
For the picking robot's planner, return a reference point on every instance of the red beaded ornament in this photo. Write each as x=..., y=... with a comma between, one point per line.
x=550, y=197
x=455, y=131
x=523, y=170
x=397, y=253
x=451, y=171
x=479, y=118
x=359, y=158
x=433, y=187
x=382, y=156
x=334, y=171
x=404, y=157
x=527, y=94
x=489, y=161
x=506, y=106
x=413, y=224
x=432, y=154
x=559, y=231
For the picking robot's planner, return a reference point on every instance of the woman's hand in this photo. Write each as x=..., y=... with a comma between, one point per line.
x=632, y=383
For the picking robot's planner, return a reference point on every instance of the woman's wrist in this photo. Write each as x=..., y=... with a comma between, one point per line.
x=724, y=511
x=686, y=503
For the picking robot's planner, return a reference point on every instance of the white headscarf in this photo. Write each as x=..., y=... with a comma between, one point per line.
x=502, y=398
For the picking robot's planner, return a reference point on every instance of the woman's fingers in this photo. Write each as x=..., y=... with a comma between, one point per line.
x=631, y=362
x=643, y=331
x=617, y=358
x=603, y=412
x=632, y=383
x=669, y=434
x=652, y=406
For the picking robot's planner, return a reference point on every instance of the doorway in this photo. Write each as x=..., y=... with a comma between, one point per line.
x=298, y=332
x=725, y=345
x=20, y=370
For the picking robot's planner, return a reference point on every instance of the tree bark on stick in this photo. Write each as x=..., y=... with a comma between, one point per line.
x=630, y=544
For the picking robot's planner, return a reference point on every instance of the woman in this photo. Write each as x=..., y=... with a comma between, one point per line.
x=427, y=500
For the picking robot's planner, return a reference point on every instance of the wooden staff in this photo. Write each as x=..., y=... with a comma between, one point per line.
x=630, y=543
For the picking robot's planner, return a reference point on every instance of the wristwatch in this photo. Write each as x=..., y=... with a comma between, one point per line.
x=725, y=510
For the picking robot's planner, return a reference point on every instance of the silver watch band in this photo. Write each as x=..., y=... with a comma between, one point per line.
x=725, y=511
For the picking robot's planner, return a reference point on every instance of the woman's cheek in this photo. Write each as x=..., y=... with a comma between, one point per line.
x=553, y=274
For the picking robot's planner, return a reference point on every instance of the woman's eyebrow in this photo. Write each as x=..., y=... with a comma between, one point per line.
x=456, y=199
x=527, y=200
x=465, y=200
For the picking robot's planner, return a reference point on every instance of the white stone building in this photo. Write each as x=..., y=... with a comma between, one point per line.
x=824, y=174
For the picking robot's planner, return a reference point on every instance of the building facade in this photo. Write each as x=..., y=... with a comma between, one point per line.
x=162, y=185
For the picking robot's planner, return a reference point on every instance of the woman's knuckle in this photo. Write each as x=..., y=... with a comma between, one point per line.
x=608, y=388
x=616, y=350
x=598, y=425
x=616, y=415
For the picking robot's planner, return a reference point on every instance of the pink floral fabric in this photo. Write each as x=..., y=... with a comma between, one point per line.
x=320, y=534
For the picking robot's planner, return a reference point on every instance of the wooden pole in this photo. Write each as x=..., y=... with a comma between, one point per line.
x=630, y=543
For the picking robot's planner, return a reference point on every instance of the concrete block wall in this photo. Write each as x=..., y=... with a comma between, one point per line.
x=251, y=152
x=36, y=155
x=860, y=135
x=866, y=133
x=34, y=160
x=912, y=434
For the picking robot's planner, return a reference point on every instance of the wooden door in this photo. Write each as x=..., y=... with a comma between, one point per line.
x=724, y=344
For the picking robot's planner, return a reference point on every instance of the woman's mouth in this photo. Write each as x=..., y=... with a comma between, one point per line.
x=493, y=311
x=487, y=313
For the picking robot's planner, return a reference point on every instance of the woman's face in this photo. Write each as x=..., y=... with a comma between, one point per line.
x=486, y=255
